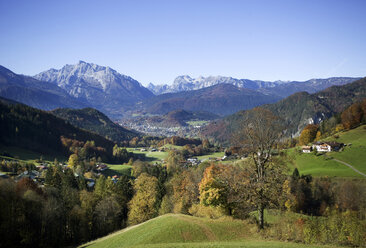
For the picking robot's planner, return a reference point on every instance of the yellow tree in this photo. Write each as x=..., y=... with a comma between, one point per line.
x=73, y=161
x=308, y=134
x=143, y=205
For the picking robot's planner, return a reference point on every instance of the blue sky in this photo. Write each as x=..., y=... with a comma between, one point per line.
x=155, y=41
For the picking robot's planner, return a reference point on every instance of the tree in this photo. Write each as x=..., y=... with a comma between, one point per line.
x=309, y=134
x=260, y=130
x=352, y=116
x=73, y=160
x=143, y=205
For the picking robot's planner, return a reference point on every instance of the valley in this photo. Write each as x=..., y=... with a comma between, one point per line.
x=182, y=168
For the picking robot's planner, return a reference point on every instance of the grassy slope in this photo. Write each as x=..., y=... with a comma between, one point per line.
x=324, y=166
x=25, y=155
x=187, y=231
x=355, y=154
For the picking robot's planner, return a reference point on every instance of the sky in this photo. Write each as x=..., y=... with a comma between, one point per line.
x=156, y=41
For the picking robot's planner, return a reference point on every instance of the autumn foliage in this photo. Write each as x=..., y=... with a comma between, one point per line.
x=308, y=134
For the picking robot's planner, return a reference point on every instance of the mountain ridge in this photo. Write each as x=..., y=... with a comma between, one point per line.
x=278, y=87
x=100, y=87
x=35, y=93
x=220, y=99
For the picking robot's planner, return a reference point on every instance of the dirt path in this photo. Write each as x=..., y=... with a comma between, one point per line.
x=350, y=166
x=207, y=231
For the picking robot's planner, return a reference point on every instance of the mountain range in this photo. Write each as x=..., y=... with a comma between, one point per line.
x=119, y=96
x=279, y=88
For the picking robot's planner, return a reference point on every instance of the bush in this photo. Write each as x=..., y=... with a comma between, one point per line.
x=199, y=210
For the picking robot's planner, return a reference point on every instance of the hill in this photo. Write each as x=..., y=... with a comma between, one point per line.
x=177, y=230
x=40, y=131
x=325, y=165
x=97, y=86
x=94, y=121
x=297, y=110
x=35, y=93
x=221, y=99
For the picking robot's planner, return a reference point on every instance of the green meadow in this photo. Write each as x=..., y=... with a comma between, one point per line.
x=177, y=230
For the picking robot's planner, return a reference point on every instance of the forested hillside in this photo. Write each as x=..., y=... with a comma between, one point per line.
x=95, y=121
x=40, y=131
x=297, y=110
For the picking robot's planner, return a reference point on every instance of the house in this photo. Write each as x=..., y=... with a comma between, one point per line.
x=101, y=167
x=193, y=161
x=327, y=146
x=33, y=175
x=306, y=149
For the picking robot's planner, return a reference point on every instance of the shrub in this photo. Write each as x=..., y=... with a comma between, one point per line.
x=199, y=210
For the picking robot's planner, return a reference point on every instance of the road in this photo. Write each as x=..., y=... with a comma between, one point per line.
x=350, y=166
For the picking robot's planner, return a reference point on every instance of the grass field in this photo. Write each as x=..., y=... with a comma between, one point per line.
x=325, y=166
x=319, y=165
x=212, y=155
x=186, y=231
x=356, y=153
x=150, y=156
x=118, y=169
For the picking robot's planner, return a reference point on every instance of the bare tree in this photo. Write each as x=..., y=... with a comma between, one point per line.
x=259, y=132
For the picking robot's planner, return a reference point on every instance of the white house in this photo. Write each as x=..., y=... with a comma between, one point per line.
x=327, y=146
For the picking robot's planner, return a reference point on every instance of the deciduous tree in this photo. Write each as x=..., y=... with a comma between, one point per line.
x=260, y=130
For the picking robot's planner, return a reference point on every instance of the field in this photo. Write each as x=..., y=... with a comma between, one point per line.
x=118, y=169
x=212, y=155
x=323, y=165
x=150, y=156
x=177, y=230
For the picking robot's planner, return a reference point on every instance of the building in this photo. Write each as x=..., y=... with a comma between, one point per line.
x=306, y=149
x=327, y=146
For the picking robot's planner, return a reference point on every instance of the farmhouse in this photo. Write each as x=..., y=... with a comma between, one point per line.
x=306, y=149
x=101, y=167
x=327, y=146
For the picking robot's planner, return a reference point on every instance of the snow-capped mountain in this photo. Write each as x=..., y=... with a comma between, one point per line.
x=99, y=86
x=186, y=83
x=280, y=88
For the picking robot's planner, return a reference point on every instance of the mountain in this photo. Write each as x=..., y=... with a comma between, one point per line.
x=186, y=83
x=220, y=99
x=280, y=88
x=97, y=86
x=309, y=86
x=40, y=131
x=94, y=121
x=33, y=92
x=297, y=110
